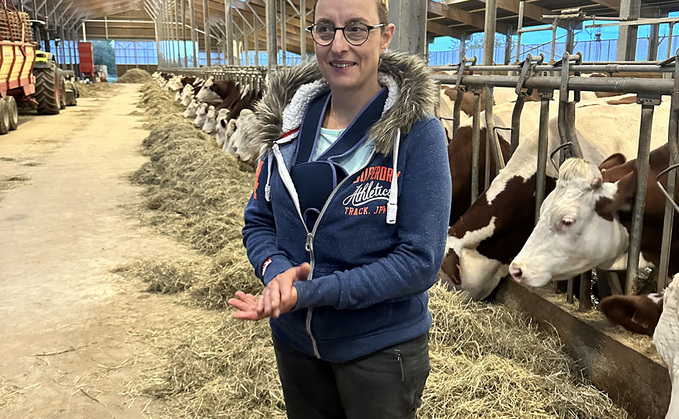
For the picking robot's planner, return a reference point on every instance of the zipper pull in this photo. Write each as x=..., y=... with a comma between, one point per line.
x=308, y=246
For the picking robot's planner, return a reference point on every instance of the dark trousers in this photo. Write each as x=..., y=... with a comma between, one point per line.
x=384, y=384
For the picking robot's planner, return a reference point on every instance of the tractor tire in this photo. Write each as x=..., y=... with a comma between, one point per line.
x=62, y=90
x=13, y=112
x=47, y=90
x=4, y=117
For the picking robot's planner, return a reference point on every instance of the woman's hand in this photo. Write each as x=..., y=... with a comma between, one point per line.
x=279, y=296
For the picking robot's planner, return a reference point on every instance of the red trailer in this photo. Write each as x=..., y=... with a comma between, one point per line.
x=86, y=52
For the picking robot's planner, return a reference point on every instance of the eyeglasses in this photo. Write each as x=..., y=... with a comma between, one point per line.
x=356, y=33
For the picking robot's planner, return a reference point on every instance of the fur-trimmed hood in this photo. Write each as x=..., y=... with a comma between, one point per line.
x=412, y=95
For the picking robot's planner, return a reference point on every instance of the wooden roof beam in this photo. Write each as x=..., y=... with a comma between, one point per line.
x=463, y=16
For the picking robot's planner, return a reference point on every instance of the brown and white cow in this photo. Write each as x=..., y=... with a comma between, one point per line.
x=215, y=91
x=585, y=222
x=485, y=239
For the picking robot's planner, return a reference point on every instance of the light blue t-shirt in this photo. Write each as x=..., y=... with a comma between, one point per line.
x=351, y=162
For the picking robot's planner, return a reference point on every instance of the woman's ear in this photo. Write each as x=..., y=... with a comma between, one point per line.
x=386, y=36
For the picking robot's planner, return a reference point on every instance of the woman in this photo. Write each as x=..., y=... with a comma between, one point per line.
x=347, y=224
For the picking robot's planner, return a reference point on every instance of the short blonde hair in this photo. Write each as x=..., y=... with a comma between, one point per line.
x=382, y=10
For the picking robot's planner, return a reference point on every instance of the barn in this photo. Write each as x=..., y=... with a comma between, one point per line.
x=122, y=218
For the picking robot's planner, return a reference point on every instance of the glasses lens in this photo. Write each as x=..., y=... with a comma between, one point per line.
x=356, y=33
x=323, y=33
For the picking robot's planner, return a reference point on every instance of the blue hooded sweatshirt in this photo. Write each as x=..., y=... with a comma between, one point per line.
x=379, y=240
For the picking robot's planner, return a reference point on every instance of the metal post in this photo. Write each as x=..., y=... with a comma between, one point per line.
x=410, y=18
x=302, y=30
x=178, y=55
x=206, y=26
x=284, y=38
x=669, y=41
x=183, y=23
x=627, y=35
x=84, y=32
x=508, y=47
x=476, y=141
x=62, y=34
x=570, y=37
x=648, y=104
x=653, y=42
x=271, y=38
x=194, y=38
x=553, y=43
x=228, y=18
x=518, y=41
x=516, y=122
x=463, y=46
x=673, y=142
x=543, y=141
x=246, y=45
x=489, y=32
x=255, y=23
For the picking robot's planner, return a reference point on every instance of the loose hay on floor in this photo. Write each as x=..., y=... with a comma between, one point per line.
x=135, y=75
x=488, y=361
x=93, y=90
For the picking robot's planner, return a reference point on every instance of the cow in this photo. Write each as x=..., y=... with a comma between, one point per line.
x=215, y=91
x=191, y=110
x=186, y=95
x=585, y=222
x=484, y=240
x=201, y=115
x=656, y=315
x=210, y=124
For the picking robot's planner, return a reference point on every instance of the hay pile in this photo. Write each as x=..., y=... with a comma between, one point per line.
x=95, y=89
x=135, y=75
x=488, y=361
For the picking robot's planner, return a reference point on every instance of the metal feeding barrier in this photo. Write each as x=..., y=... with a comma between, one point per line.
x=566, y=76
x=255, y=76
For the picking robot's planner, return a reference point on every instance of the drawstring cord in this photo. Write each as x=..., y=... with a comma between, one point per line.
x=392, y=205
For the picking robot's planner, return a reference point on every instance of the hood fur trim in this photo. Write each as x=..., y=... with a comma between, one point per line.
x=417, y=97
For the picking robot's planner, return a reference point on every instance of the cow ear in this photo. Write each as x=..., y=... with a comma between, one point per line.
x=623, y=198
x=614, y=160
x=223, y=123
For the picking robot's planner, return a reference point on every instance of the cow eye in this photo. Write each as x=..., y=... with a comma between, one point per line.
x=565, y=223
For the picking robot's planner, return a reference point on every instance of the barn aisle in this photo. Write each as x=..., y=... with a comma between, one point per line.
x=72, y=331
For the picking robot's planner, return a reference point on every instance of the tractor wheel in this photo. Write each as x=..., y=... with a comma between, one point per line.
x=13, y=112
x=4, y=117
x=47, y=90
x=62, y=90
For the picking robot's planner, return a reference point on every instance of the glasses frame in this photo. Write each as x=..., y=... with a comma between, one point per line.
x=341, y=28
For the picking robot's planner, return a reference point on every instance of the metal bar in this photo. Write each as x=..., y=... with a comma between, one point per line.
x=284, y=38
x=186, y=53
x=602, y=68
x=176, y=34
x=669, y=41
x=647, y=108
x=206, y=35
x=516, y=122
x=476, y=134
x=554, y=27
x=603, y=84
x=637, y=22
x=538, y=28
x=585, y=299
x=491, y=137
x=457, y=108
x=489, y=32
x=653, y=42
x=543, y=138
x=673, y=143
x=255, y=23
x=271, y=38
x=302, y=29
x=228, y=16
x=519, y=31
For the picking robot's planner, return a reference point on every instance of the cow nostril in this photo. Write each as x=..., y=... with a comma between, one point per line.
x=516, y=273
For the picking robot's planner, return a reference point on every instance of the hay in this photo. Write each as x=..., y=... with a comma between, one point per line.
x=135, y=75
x=488, y=361
x=9, y=182
x=94, y=90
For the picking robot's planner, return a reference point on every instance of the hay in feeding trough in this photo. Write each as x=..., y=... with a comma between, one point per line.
x=135, y=75
x=488, y=361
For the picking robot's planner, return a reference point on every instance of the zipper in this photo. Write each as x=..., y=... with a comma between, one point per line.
x=309, y=247
x=309, y=244
x=400, y=364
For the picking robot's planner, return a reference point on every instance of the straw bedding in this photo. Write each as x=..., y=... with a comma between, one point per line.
x=91, y=90
x=488, y=361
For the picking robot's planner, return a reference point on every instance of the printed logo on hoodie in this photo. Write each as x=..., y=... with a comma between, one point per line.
x=372, y=186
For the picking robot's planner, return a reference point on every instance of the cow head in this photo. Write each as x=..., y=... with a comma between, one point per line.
x=636, y=313
x=578, y=227
x=206, y=93
x=191, y=110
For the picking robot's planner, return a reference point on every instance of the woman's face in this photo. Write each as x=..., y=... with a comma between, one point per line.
x=343, y=65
